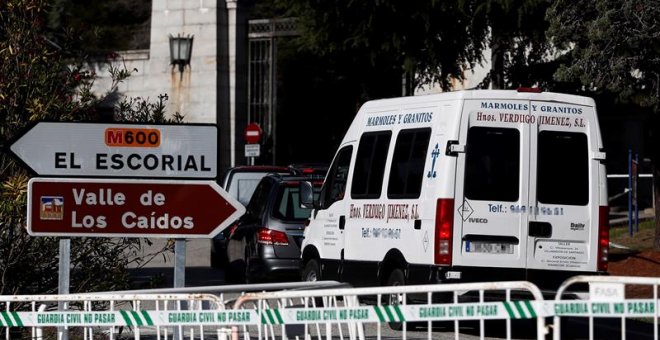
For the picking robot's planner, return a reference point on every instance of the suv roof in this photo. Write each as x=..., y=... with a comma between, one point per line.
x=240, y=181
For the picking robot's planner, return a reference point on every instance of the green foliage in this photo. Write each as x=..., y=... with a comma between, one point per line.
x=432, y=39
x=104, y=25
x=44, y=77
x=437, y=41
x=613, y=45
x=514, y=30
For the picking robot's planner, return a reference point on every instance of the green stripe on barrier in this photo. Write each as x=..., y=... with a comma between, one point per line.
x=398, y=312
x=520, y=310
x=8, y=320
x=278, y=316
x=137, y=318
x=17, y=318
x=389, y=313
x=147, y=318
x=263, y=319
x=507, y=306
x=127, y=319
x=530, y=308
x=379, y=313
x=270, y=317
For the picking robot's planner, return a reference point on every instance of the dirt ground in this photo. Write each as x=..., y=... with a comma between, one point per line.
x=634, y=256
x=644, y=263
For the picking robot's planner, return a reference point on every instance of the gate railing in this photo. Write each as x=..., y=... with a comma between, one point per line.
x=347, y=313
x=357, y=313
x=114, y=315
x=633, y=300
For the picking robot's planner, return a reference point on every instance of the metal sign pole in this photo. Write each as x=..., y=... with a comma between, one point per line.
x=63, y=285
x=179, y=275
x=179, y=263
x=636, y=193
x=630, y=193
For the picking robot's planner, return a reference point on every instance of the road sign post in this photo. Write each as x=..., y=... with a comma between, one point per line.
x=252, y=137
x=123, y=208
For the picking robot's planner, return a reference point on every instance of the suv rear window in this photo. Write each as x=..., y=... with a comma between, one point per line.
x=287, y=206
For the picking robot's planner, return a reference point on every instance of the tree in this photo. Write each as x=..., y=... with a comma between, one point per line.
x=614, y=46
x=43, y=78
x=104, y=25
x=514, y=30
x=432, y=40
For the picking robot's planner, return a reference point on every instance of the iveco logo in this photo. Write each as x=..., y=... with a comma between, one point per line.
x=477, y=220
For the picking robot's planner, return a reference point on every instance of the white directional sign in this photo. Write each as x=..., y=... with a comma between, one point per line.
x=119, y=150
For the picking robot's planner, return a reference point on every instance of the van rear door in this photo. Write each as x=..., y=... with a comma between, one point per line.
x=563, y=228
x=492, y=184
x=525, y=185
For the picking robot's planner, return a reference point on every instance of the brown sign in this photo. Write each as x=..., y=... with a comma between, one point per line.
x=129, y=208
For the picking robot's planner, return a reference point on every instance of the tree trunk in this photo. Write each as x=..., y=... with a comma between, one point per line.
x=656, y=198
x=497, y=49
x=655, y=130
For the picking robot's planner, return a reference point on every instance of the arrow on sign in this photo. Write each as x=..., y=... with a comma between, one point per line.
x=129, y=208
x=119, y=150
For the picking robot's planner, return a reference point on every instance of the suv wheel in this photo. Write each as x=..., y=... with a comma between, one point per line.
x=247, y=276
x=311, y=273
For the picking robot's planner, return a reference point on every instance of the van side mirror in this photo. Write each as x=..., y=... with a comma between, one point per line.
x=307, y=195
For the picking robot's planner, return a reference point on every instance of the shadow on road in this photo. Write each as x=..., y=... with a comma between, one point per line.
x=163, y=277
x=571, y=328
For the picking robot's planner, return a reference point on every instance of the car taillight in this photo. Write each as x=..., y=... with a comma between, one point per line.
x=444, y=223
x=274, y=237
x=603, y=237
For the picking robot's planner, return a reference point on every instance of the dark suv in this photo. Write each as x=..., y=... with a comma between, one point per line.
x=239, y=182
x=265, y=243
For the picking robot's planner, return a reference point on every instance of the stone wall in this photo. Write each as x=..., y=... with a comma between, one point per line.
x=192, y=93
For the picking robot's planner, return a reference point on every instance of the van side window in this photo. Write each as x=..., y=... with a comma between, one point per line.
x=492, y=165
x=370, y=164
x=407, y=169
x=334, y=188
x=563, y=168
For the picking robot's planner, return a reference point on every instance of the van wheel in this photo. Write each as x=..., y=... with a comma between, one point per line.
x=311, y=273
x=396, y=278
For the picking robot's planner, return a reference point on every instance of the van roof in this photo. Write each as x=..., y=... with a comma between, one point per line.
x=480, y=94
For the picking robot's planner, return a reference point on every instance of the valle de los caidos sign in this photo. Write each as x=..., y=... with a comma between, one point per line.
x=129, y=207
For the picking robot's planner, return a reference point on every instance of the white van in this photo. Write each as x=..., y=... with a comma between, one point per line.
x=479, y=185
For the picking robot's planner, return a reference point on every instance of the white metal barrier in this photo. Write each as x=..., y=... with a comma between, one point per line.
x=343, y=312
x=348, y=313
x=86, y=316
x=634, y=300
